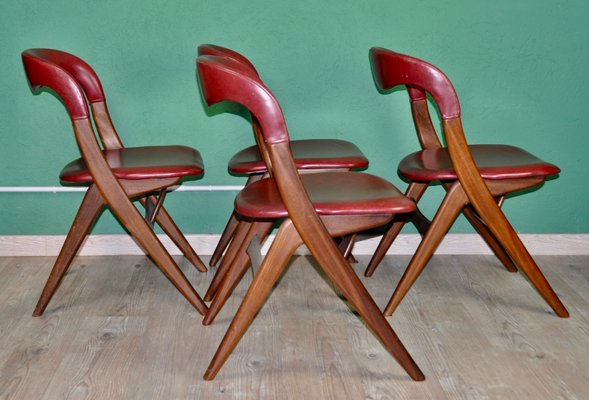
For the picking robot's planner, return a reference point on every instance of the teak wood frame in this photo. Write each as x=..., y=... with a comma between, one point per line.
x=224, y=80
x=74, y=81
x=477, y=198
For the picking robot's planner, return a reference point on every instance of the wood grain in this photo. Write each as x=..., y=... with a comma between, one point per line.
x=116, y=329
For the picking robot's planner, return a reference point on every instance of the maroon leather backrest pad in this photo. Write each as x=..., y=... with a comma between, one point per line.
x=392, y=69
x=224, y=79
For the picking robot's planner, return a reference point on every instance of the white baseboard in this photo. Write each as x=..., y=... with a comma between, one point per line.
x=49, y=245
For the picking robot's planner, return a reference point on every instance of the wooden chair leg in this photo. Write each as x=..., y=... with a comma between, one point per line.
x=506, y=235
x=168, y=225
x=346, y=280
x=87, y=214
x=226, y=237
x=129, y=216
x=414, y=191
x=445, y=216
x=346, y=245
x=229, y=230
x=238, y=238
x=236, y=270
x=488, y=237
x=286, y=242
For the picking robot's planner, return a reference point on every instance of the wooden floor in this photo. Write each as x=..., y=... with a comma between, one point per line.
x=118, y=330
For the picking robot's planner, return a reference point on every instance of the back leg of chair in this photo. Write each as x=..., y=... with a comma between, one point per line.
x=236, y=270
x=414, y=191
x=488, y=237
x=87, y=214
x=238, y=237
x=226, y=237
x=229, y=230
x=286, y=242
x=171, y=229
x=498, y=224
x=451, y=206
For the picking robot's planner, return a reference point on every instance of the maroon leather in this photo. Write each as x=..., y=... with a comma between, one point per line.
x=391, y=69
x=41, y=72
x=78, y=68
x=308, y=154
x=332, y=193
x=214, y=50
x=493, y=161
x=152, y=162
x=224, y=79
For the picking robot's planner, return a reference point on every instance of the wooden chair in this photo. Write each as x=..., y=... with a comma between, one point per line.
x=476, y=177
x=114, y=174
x=310, y=155
x=314, y=208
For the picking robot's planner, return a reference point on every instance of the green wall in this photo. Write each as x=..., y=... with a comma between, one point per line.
x=520, y=68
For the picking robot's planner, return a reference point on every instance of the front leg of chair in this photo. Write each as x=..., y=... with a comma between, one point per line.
x=129, y=216
x=171, y=229
x=345, y=279
x=488, y=237
x=286, y=242
x=451, y=206
x=414, y=191
x=236, y=270
x=87, y=214
x=506, y=235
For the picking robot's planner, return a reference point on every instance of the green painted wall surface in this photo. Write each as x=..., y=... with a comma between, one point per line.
x=519, y=67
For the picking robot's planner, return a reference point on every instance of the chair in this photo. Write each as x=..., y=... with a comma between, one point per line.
x=313, y=209
x=476, y=177
x=310, y=155
x=114, y=174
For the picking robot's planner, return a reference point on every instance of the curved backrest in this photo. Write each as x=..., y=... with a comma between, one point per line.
x=392, y=69
x=214, y=50
x=224, y=79
x=86, y=78
x=76, y=67
x=42, y=71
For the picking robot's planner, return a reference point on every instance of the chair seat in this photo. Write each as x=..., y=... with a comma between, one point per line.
x=493, y=161
x=332, y=193
x=308, y=154
x=150, y=162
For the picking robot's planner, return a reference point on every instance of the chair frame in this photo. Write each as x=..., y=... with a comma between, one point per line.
x=222, y=79
x=74, y=81
x=477, y=198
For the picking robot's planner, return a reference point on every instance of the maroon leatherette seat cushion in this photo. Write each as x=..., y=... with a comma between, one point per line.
x=308, y=154
x=493, y=161
x=150, y=162
x=332, y=193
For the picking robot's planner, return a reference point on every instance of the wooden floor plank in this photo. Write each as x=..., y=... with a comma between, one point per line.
x=117, y=329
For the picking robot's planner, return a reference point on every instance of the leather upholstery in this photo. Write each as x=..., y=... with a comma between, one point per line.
x=43, y=73
x=151, y=162
x=238, y=83
x=493, y=161
x=308, y=154
x=332, y=193
x=214, y=50
x=391, y=69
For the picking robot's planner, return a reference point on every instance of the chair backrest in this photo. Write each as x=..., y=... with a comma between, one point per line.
x=224, y=79
x=47, y=68
x=214, y=50
x=392, y=69
x=87, y=80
